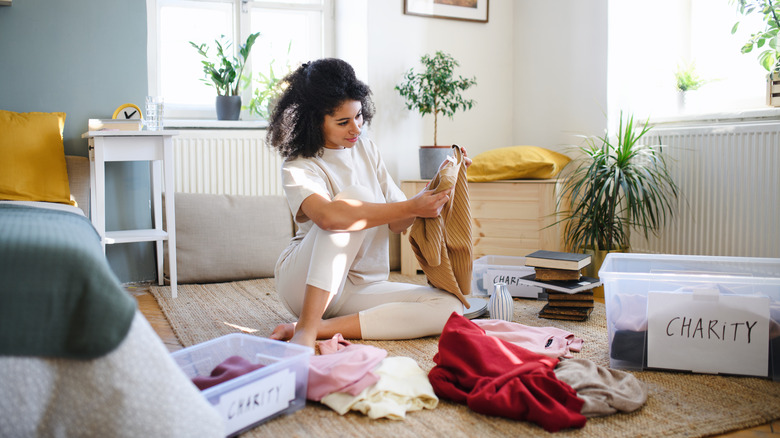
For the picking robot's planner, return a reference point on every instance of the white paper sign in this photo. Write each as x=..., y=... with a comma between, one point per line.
x=510, y=277
x=708, y=332
x=257, y=400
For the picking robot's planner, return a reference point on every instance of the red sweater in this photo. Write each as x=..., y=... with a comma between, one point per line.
x=494, y=377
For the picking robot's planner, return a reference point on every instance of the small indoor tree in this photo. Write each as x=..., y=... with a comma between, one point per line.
x=436, y=90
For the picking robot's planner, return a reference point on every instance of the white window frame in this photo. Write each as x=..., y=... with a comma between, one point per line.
x=241, y=32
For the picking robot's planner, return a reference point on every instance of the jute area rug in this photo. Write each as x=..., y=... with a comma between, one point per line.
x=679, y=404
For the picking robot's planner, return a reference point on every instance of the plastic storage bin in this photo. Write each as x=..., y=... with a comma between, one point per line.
x=492, y=268
x=693, y=313
x=279, y=387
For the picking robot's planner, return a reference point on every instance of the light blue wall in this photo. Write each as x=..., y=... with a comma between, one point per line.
x=84, y=57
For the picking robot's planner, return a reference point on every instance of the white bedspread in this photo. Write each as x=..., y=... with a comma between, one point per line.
x=135, y=391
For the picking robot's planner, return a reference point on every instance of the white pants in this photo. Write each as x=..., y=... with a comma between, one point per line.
x=386, y=310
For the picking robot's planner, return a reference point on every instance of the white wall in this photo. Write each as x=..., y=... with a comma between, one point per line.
x=397, y=41
x=541, y=72
x=560, y=60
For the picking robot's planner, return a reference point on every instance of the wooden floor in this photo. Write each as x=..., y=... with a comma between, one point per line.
x=151, y=310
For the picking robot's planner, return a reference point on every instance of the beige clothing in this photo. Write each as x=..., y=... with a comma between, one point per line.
x=402, y=387
x=443, y=245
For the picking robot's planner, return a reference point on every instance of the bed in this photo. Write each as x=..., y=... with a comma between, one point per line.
x=77, y=358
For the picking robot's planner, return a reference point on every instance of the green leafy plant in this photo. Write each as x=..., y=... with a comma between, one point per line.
x=436, y=90
x=687, y=78
x=267, y=88
x=615, y=186
x=765, y=38
x=226, y=71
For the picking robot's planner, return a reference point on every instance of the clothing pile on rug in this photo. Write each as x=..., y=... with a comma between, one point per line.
x=362, y=378
x=497, y=377
x=494, y=367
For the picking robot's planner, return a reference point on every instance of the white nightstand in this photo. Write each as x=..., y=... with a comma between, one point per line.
x=157, y=148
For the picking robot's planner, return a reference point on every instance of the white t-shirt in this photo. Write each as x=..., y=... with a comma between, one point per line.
x=328, y=175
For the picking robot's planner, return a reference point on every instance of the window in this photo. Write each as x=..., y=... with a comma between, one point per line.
x=291, y=32
x=649, y=40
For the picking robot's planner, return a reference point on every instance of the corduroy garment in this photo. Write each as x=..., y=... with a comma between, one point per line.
x=443, y=244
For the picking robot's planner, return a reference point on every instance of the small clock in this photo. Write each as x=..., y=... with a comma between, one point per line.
x=127, y=111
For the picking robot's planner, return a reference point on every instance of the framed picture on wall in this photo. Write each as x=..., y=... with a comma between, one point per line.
x=467, y=10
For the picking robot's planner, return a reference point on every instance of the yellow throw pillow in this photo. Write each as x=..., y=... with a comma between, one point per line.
x=516, y=162
x=32, y=157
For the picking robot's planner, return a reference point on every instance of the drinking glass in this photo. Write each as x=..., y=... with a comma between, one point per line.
x=153, y=119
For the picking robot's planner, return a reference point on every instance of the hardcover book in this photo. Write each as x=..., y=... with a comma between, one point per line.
x=571, y=314
x=557, y=274
x=557, y=260
x=568, y=286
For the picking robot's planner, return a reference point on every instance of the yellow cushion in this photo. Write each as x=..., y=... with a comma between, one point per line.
x=32, y=157
x=516, y=162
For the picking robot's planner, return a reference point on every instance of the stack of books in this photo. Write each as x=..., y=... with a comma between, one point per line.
x=556, y=265
x=572, y=307
x=569, y=294
x=115, y=124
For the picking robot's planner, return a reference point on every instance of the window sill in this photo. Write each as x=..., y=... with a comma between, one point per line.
x=751, y=115
x=215, y=124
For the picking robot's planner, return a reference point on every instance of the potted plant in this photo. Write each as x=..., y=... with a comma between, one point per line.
x=765, y=39
x=435, y=91
x=615, y=185
x=268, y=88
x=687, y=80
x=225, y=73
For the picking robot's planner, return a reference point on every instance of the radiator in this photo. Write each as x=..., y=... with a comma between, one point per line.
x=730, y=185
x=234, y=162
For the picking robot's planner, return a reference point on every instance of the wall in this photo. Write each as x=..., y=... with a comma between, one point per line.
x=541, y=70
x=560, y=60
x=397, y=41
x=83, y=57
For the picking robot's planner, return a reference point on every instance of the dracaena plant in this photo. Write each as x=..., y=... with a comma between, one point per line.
x=226, y=70
x=617, y=184
x=436, y=90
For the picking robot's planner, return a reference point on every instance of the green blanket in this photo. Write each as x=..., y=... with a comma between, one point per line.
x=58, y=296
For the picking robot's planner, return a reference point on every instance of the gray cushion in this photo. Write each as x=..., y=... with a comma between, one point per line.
x=78, y=179
x=226, y=237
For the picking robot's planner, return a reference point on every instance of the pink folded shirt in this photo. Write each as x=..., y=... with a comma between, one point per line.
x=549, y=341
x=342, y=367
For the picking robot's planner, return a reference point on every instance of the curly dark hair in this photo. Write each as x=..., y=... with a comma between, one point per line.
x=313, y=90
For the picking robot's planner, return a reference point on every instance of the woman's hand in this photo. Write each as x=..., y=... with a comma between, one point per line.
x=429, y=204
x=466, y=159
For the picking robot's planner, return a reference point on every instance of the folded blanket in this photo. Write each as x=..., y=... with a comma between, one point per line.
x=59, y=297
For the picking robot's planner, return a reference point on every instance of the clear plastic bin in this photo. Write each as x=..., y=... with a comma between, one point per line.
x=693, y=313
x=492, y=268
x=278, y=388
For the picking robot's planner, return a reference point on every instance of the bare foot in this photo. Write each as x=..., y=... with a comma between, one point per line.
x=301, y=337
x=283, y=332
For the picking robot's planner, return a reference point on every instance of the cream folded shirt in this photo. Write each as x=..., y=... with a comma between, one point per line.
x=402, y=387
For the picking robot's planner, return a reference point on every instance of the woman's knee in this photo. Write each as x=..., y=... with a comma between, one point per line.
x=447, y=303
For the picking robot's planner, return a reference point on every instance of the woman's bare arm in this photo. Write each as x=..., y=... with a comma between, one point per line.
x=352, y=215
